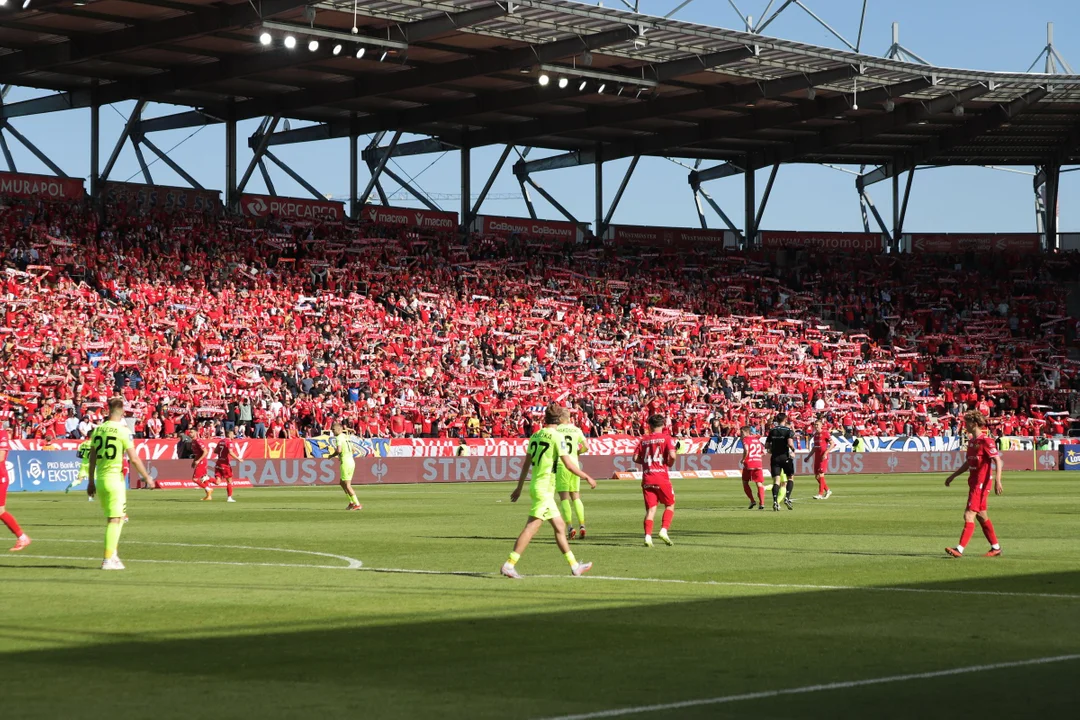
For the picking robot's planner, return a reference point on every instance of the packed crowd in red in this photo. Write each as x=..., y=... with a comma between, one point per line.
x=275, y=329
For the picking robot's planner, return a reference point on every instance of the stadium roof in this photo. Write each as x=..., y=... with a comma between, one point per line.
x=465, y=72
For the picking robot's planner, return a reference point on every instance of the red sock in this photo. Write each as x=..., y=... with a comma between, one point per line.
x=666, y=521
x=969, y=530
x=988, y=530
x=229, y=488
x=648, y=527
x=9, y=520
x=760, y=494
x=746, y=489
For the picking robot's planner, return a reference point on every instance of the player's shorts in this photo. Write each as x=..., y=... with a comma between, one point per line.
x=3, y=490
x=113, y=496
x=347, y=472
x=978, y=495
x=785, y=465
x=658, y=495
x=223, y=471
x=201, y=471
x=753, y=475
x=567, y=483
x=544, y=507
x=821, y=464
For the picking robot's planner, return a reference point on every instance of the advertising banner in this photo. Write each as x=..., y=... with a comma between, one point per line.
x=291, y=208
x=33, y=471
x=41, y=187
x=167, y=449
x=636, y=235
x=176, y=474
x=506, y=226
x=422, y=219
x=978, y=242
x=1070, y=457
x=852, y=242
x=163, y=197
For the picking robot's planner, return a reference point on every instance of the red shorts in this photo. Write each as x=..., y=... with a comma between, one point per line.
x=3, y=490
x=200, y=470
x=754, y=475
x=223, y=471
x=658, y=495
x=978, y=496
x=821, y=464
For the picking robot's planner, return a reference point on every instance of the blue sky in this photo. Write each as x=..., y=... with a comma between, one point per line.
x=980, y=34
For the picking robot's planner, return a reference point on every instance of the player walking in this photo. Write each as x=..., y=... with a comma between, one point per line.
x=824, y=443
x=567, y=484
x=200, y=449
x=546, y=451
x=753, y=451
x=341, y=446
x=110, y=443
x=981, y=454
x=223, y=472
x=655, y=453
x=781, y=443
x=21, y=538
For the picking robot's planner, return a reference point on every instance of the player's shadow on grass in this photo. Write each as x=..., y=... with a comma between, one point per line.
x=606, y=647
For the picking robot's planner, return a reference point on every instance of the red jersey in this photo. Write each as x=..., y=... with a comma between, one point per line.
x=755, y=451
x=224, y=448
x=197, y=448
x=822, y=443
x=979, y=453
x=5, y=448
x=652, y=454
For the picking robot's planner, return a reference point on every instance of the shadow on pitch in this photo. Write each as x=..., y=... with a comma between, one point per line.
x=584, y=657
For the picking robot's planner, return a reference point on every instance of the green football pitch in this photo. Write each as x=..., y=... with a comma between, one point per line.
x=284, y=605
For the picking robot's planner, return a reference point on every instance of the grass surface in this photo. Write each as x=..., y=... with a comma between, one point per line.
x=850, y=589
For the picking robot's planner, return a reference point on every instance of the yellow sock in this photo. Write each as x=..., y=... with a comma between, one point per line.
x=112, y=538
x=570, y=558
x=514, y=557
x=579, y=508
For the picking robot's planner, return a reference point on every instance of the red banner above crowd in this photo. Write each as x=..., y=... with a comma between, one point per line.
x=163, y=197
x=291, y=208
x=852, y=242
x=41, y=187
x=422, y=219
x=507, y=226
x=978, y=242
x=636, y=235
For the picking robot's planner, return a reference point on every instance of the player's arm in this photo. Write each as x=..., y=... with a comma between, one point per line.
x=571, y=464
x=959, y=471
x=583, y=446
x=91, y=486
x=205, y=453
x=669, y=454
x=136, y=463
x=525, y=468
x=834, y=444
x=999, y=465
x=745, y=455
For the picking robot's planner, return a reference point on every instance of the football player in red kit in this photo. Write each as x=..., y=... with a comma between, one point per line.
x=200, y=450
x=21, y=538
x=981, y=454
x=222, y=469
x=824, y=443
x=655, y=453
x=753, y=451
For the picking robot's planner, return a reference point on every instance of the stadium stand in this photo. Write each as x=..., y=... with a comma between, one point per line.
x=275, y=328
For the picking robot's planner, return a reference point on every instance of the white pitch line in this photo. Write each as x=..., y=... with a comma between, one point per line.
x=620, y=712
x=351, y=563
x=195, y=562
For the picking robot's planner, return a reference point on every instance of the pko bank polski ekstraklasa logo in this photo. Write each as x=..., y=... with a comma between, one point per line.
x=53, y=471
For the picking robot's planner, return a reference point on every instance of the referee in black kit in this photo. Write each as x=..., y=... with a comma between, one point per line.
x=781, y=443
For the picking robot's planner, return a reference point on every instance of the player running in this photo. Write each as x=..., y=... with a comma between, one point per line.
x=567, y=484
x=83, y=453
x=781, y=444
x=21, y=538
x=546, y=451
x=223, y=472
x=655, y=453
x=109, y=444
x=341, y=446
x=200, y=472
x=753, y=451
x=981, y=454
x=824, y=443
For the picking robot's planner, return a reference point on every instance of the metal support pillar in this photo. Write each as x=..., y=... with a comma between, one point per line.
x=898, y=235
x=719, y=211
x=171, y=163
x=547, y=196
x=266, y=178
x=598, y=193
x=466, y=182
x=700, y=211
x=877, y=216
x=132, y=120
x=266, y=129
x=232, y=198
x=354, y=170
x=142, y=162
x=618, y=195
x=765, y=197
x=34, y=149
x=467, y=219
x=750, y=201
x=895, y=214
x=409, y=188
x=294, y=175
x=527, y=198
x=1047, y=191
x=95, y=144
x=7, y=153
x=378, y=170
